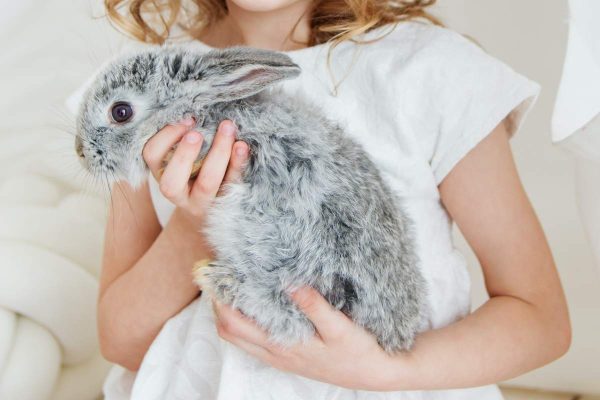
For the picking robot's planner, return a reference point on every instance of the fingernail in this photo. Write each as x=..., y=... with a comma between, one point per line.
x=291, y=289
x=229, y=129
x=241, y=151
x=192, y=137
x=301, y=294
x=189, y=121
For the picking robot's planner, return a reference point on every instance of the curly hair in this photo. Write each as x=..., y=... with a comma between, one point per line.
x=152, y=21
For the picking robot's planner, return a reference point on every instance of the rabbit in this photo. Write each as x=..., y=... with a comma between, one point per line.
x=310, y=208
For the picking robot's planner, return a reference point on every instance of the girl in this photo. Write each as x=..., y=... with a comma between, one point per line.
x=435, y=114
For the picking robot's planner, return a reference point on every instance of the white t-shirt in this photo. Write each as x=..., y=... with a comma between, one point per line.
x=578, y=100
x=417, y=100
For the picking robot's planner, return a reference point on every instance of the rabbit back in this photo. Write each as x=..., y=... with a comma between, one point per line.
x=313, y=210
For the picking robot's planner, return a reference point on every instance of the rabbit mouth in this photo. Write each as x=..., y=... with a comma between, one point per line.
x=93, y=159
x=100, y=168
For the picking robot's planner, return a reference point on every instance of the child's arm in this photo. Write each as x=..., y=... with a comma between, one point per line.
x=147, y=272
x=523, y=326
x=145, y=276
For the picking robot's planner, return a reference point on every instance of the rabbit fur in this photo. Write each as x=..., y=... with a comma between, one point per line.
x=310, y=209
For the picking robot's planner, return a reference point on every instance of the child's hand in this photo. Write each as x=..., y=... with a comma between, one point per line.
x=222, y=164
x=341, y=353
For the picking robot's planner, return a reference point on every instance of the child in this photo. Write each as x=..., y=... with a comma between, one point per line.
x=435, y=113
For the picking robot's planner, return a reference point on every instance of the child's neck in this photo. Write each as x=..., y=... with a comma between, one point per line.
x=266, y=30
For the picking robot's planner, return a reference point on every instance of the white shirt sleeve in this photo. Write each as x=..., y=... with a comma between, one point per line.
x=578, y=100
x=465, y=94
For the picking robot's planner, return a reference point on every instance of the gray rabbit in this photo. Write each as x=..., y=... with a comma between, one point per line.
x=311, y=208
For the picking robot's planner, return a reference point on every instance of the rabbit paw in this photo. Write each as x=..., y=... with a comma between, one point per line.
x=216, y=278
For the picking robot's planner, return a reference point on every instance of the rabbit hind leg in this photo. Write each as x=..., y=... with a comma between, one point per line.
x=217, y=278
x=393, y=318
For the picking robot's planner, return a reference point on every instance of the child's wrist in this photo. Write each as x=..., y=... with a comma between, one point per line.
x=182, y=233
x=399, y=373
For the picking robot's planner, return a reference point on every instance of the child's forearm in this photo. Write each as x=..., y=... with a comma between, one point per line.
x=134, y=308
x=502, y=339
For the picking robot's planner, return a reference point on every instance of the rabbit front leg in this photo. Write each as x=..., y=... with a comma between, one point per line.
x=208, y=137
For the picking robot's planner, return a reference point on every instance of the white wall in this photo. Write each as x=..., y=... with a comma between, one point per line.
x=531, y=37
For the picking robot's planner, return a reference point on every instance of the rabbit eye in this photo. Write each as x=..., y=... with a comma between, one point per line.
x=121, y=112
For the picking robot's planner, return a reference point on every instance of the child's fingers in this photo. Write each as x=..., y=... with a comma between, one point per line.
x=157, y=147
x=239, y=156
x=330, y=323
x=215, y=163
x=233, y=323
x=174, y=180
x=254, y=350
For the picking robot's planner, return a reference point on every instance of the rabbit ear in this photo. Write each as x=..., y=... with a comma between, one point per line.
x=236, y=73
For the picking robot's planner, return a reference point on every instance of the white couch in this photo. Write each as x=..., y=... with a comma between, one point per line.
x=51, y=218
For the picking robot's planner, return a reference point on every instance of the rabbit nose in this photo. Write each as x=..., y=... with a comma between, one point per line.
x=79, y=147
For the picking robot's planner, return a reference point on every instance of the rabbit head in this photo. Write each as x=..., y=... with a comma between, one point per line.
x=137, y=95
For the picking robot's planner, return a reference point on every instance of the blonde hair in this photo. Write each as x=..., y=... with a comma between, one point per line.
x=152, y=21
x=334, y=21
